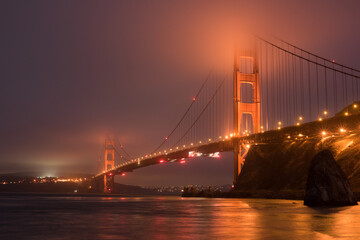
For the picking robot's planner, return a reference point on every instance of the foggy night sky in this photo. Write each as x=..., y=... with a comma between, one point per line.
x=74, y=71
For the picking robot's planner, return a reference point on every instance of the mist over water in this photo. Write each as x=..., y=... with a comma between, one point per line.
x=71, y=217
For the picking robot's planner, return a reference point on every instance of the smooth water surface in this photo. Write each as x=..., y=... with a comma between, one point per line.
x=71, y=217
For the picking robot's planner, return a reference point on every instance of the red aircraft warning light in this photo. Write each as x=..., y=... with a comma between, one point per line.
x=162, y=161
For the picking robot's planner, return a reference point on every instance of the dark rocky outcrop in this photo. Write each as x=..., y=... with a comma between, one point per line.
x=327, y=184
x=194, y=192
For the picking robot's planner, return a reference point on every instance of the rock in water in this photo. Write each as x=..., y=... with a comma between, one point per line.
x=327, y=185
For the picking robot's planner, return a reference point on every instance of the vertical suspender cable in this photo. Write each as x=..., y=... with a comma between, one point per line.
x=309, y=88
x=317, y=90
x=335, y=89
x=326, y=93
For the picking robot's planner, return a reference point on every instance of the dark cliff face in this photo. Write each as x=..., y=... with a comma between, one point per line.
x=327, y=184
x=281, y=166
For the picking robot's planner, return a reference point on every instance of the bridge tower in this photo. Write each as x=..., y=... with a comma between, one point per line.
x=246, y=71
x=109, y=164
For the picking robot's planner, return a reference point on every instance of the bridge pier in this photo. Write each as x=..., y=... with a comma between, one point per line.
x=109, y=183
x=240, y=152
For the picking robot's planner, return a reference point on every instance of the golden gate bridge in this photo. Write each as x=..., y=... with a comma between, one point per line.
x=277, y=92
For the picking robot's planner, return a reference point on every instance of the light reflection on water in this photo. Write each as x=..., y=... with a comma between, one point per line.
x=49, y=217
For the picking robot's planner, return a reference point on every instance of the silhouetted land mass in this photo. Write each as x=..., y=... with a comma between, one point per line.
x=280, y=169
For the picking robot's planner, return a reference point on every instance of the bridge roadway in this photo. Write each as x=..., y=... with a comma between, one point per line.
x=340, y=124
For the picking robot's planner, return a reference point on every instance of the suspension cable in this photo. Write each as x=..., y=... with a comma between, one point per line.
x=201, y=113
x=317, y=56
x=184, y=115
x=309, y=60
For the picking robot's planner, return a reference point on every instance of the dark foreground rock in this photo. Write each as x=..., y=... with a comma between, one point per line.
x=327, y=185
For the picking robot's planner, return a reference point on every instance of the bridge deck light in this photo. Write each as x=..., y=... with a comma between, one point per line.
x=355, y=106
x=288, y=136
x=220, y=137
x=346, y=113
x=279, y=128
x=300, y=135
x=297, y=124
x=342, y=130
x=200, y=142
x=209, y=139
x=231, y=135
x=226, y=137
x=248, y=146
x=323, y=133
x=300, y=118
x=325, y=112
x=278, y=123
x=184, y=145
x=320, y=119
x=192, y=144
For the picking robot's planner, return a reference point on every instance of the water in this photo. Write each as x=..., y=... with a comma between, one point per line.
x=69, y=217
